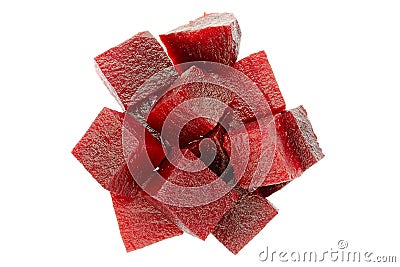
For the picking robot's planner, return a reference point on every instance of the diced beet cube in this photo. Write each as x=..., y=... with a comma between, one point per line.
x=244, y=220
x=198, y=220
x=296, y=148
x=258, y=69
x=297, y=138
x=101, y=152
x=194, y=105
x=266, y=191
x=125, y=67
x=140, y=223
x=251, y=152
x=186, y=122
x=213, y=37
x=282, y=169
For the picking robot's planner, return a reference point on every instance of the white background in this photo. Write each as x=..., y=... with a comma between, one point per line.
x=340, y=59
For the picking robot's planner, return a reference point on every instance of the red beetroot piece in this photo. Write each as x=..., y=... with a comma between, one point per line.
x=282, y=169
x=258, y=69
x=142, y=151
x=213, y=37
x=187, y=121
x=125, y=67
x=196, y=102
x=140, y=223
x=296, y=149
x=244, y=220
x=101, y=152
x=252, y=152
x=198, y=220
x=297, y=138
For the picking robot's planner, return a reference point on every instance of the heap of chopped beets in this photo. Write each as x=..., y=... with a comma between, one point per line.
x=242, y=212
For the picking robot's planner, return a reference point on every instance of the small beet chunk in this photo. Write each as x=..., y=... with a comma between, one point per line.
x=258, y=69
x=188, y=105
x=198, y=220
x=297, y=137
x=244, y=220
x=251, y=150
x=125, y=67
x=213, y=37
x=196, y=102
x=296, y=148
x=101, y=152
x=140, y=223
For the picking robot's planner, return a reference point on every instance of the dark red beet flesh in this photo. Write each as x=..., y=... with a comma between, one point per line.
x=125, y=67
x=296, y=148
x=209, y=98
x=101, y=152
x=213, y=37
x=258, y=69
x=297, y=137
x=196, y=220
x=244, y=220
x=140, y=223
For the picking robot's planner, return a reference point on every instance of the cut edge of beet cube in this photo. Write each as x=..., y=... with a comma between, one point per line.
x=100, y=153
x=257, y=67
x=198, y=220
x=244, y=220
x=301, y=137
x=126, y=66
x=140, y=223
x=187, y=42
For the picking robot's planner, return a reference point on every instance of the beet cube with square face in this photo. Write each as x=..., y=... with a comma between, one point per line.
x=244, y=220
x=125, y=67
x=140, y=223
x=252, y=152
x=213, y=37
x=258, y=69
x=296, y=148
x=101, y=152
x=186, y=112
x=200, y=218
x=297, y=139
x=197, y=101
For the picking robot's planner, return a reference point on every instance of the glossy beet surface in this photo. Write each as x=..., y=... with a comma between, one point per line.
x=213, y=37
x=256, y=66
x=140, y=223
x=245, y=219
x=125, y=67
